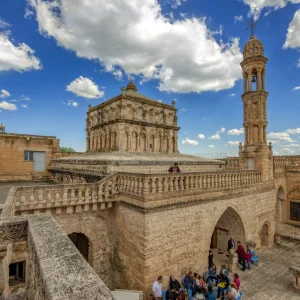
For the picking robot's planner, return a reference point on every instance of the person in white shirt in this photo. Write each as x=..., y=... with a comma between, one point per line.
x=157, y=289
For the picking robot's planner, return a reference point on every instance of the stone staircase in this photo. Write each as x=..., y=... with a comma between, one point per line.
x=44, y=177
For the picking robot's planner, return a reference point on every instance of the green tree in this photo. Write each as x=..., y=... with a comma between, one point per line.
x=66, y=149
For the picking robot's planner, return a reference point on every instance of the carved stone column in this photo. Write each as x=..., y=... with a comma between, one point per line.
x=249, y=82
x=259, y=79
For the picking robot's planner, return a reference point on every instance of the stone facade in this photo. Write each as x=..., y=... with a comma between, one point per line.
x=13, y=166
x=132, y=122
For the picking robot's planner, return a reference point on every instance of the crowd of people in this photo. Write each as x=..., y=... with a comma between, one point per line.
x=212, y=285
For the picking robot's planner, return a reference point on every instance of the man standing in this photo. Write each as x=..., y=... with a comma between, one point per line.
x=157, y=289
x=231, y=244
x=242, y=255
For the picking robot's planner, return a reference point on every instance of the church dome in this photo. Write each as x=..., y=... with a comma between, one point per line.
x=254, y=47
x=131, y=86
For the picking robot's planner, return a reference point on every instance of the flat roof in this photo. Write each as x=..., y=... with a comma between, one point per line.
x=25, y=134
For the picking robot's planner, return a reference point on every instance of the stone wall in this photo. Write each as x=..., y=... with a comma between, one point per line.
x=175, y=239
x=98, y=227
x=13, y=167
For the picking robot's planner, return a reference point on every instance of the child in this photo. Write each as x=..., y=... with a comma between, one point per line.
x=236, y=280
x=210, y=259
x=211, y=295
x=248, y=259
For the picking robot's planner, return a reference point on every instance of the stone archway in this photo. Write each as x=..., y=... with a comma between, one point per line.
x=82, y=244
x=265, y=235
x=229, y=225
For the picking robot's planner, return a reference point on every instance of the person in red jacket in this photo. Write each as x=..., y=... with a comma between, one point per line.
x=242, y=255
x=174, y=169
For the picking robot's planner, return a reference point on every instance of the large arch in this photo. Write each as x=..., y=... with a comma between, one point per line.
x=229, y=225
x=265, y=235
x=82, y=243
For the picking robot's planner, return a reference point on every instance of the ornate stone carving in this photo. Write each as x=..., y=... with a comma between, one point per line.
x=13, y=231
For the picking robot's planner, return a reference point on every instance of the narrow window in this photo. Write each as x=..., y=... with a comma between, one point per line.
x=17, y=273
x=28, y=155
x=295, y=211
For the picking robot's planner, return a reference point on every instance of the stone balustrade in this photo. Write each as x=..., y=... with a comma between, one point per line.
x=232, y=163
x=142, y=185
x=68, y=198
x=286, y=161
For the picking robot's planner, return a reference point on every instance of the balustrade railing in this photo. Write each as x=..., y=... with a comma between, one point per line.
x=73, y=198
x=286, y=161
x=144, y=184
x=69, y=197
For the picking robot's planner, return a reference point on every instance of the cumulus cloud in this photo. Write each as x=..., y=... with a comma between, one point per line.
x=238, y=19
x=296, y=88
x=19, y=58
x=293, y=34
x=71, y=103
x=287, y=151
x=84, y=87
x=201, y=136
x=233, y=143
x=7, y=106
x=236, y=131
x=214, y=137
x=24, y=105
x=4, y=94
x=232, y=95
x=222, y=130
x=3, y=24
x=211, y=146
x=118, y=74
x=23, y=97
x=293, y=131
x=136, y=37
x=184, y=110
x=175, y=3
x=256, y=6
x=190, y=142
x=281, y=136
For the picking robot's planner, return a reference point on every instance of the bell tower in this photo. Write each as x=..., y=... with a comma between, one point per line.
x=256, y=154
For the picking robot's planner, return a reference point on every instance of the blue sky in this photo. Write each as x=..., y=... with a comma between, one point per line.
x=56, y=57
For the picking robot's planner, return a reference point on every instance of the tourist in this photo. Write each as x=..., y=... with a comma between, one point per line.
x=174, y=169
x=210, y=258
x=188, y=282
x=213, y=273
x=171, y=294
x=231, y=244
x=211, y=295
x=249, y=259
x=222, y=286
x=242, y=255
x=224, y=271
x=175, y=285
x=234, y=289
x=157, y=289
x=236, y=280
x=201, y=285
x=230, y=296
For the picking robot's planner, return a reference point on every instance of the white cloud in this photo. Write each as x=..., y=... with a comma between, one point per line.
x=298, y=64
x=211, y=146
x=233, y=143
x=232, y=95
x=214, y=137
x=293, y=131
x=23, y=97
x=7, y=106
x=296, y=88
x=175, y=3
x=201, y=136
x=190, y=142
x=293, y=34
x=3, y=24
x=184, y=110
x=118, y=74
x=136, y=37
x=256, y=6
x=238, y=19
x=71, y=103
x=4, y=93
x=19, y=58
x=28, y=13
x=281, y=136
x=222, y=130
x=85, y=87
x=13, y=100
x=287, y=151
x=236, y=131
x=0, y=110
x=275, y=153
x=24, y=105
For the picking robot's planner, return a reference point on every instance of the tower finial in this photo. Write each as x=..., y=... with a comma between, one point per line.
x=252, y=26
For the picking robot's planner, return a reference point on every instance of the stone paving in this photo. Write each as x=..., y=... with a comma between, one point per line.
x=271, y=279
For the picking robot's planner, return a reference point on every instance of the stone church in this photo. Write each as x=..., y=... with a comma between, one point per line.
x=116, y=218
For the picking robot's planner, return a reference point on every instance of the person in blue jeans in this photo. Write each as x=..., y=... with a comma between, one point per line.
x=188, y=282
x=222, y=286
x=211, y=295
x=213, y=273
